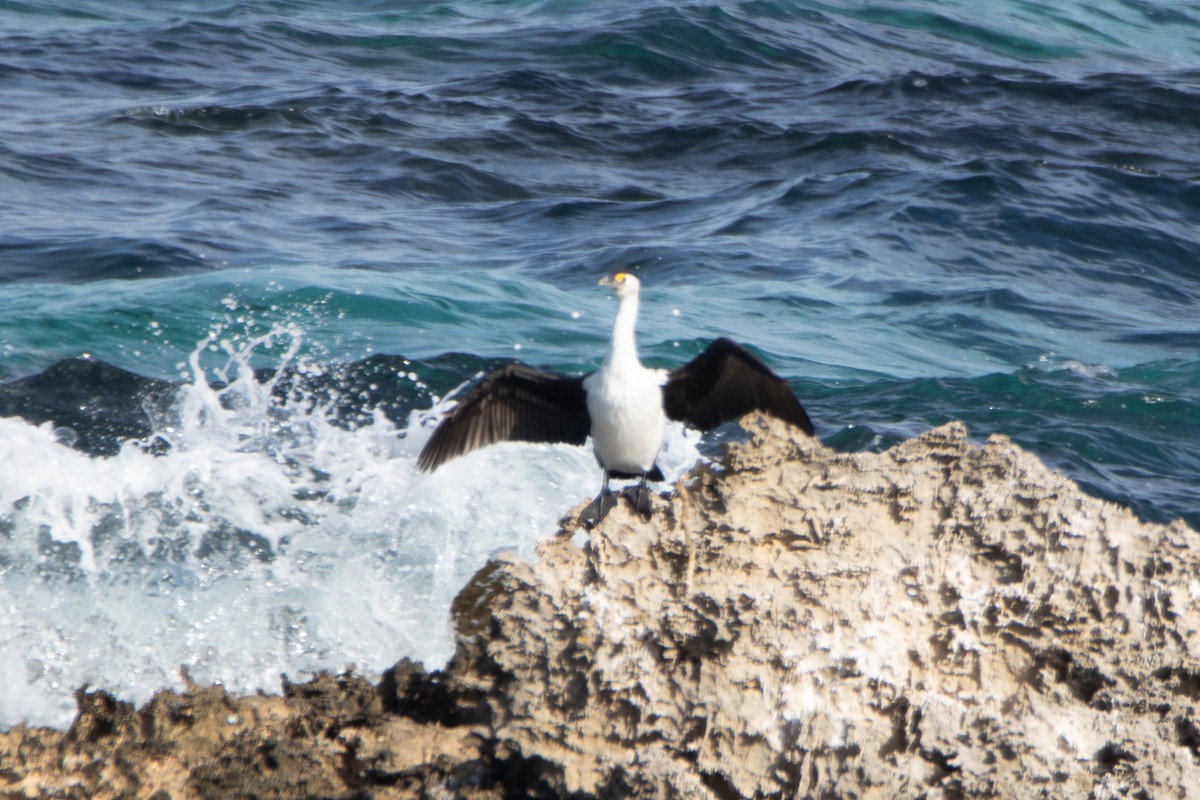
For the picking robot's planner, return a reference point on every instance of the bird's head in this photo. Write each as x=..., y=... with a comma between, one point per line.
x=623, y=283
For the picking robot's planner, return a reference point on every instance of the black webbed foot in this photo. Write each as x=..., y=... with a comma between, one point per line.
x=598, y=509
x=640, y=498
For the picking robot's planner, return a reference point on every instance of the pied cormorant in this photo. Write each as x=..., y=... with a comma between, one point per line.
x=623, y=405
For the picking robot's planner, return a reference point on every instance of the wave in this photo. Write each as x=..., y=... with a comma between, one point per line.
x=90, y=258
x=256, y=522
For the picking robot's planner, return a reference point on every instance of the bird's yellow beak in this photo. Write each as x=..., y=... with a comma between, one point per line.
x=614, y=280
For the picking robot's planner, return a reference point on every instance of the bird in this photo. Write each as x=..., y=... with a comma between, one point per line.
x=623, y=406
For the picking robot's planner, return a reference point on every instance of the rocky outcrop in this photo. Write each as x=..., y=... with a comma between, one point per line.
x=940, y=620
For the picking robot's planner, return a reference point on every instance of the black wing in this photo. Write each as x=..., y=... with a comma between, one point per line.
x=514, y=403
x=726, y=382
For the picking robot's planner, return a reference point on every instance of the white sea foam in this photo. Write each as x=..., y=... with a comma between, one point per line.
x=266, y=540
x=1050, y=362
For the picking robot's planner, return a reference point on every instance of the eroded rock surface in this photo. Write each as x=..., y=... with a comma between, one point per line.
x=940, y=620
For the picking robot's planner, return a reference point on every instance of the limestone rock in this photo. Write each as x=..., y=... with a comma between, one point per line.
x=941, y=620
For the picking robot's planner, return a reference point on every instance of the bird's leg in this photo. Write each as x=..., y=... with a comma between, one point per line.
x=598, y=509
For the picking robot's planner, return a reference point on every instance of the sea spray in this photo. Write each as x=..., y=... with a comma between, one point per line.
x=254, y=533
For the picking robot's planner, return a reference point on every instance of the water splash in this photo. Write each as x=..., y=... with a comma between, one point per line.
x=254, y=533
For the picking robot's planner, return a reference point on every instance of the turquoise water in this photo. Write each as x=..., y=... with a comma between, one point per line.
x=915, y=212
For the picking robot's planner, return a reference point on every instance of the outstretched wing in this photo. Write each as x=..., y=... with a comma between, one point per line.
x=514, y=403
x=726, y=382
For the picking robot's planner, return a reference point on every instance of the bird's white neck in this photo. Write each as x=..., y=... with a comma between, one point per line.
x=622, y=350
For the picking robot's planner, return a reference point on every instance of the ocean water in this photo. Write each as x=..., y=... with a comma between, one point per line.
x=247, y=249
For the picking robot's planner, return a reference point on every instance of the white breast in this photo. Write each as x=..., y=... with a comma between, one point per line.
x=628, y=422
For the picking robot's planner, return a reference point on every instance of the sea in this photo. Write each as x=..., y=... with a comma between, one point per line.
x=249, y=251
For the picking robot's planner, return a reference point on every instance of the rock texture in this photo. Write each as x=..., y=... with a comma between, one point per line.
x=938, y=621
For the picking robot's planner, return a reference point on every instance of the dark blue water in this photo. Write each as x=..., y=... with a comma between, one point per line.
x=916, y=212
